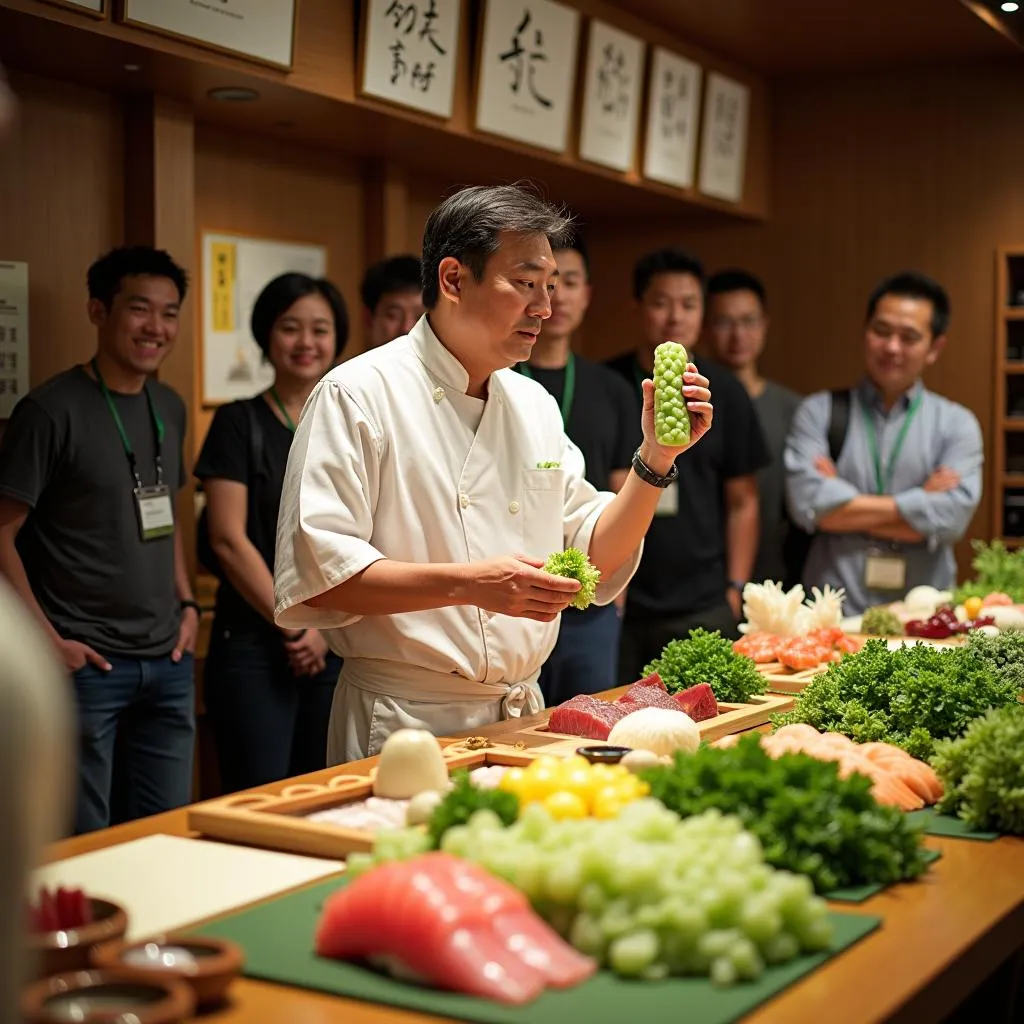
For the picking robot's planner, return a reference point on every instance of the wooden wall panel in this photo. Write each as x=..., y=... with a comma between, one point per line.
x=259, y=187
x=871, y=174
x=61, y=200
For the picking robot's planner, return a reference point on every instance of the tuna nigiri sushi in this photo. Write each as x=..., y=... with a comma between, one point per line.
x=448, y=923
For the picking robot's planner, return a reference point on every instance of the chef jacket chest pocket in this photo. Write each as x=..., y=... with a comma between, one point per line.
x=543, y=510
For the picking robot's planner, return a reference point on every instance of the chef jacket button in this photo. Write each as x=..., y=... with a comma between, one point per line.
x=438, y=395
x=464, y=500
x=513, y=507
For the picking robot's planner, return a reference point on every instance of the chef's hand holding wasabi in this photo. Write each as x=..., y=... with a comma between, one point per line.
x=428, y=484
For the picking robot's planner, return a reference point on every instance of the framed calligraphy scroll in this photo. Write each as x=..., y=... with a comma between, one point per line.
x=612, y=88
x=94, y=8
x=723, y=148
x=527, y=69
x=235, y=269
x=260, y=30
x=409, y=53
x=673, y=106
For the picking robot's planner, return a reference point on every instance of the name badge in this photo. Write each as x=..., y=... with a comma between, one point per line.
x=668, y=500
x=155, y=511
x=885, y=572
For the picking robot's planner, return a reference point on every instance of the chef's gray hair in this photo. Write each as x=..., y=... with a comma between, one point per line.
x=469, y=223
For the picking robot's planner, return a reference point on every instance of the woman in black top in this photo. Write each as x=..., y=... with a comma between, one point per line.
x=268, y=691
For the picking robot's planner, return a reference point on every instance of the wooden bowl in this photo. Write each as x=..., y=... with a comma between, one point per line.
x=213, y=966
x=91, y=997
x=68, y=950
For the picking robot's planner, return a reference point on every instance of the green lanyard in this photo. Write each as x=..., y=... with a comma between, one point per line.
x=568, y=391
x=284, y=412
x=158, y=429
x=884, y=483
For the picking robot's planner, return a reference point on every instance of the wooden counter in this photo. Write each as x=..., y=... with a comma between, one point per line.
x=940, y=938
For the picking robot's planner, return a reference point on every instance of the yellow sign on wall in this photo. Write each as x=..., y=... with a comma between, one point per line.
x=222, y=286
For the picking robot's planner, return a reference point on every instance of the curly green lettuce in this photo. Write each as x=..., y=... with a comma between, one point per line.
x=914, y=695
x=808, y=819
x=575, y=565
x=983, y=772
x=705, y=657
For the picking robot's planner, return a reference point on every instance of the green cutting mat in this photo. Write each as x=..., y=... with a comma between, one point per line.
x=277, y=937
x=949, y=825
x=859, y=893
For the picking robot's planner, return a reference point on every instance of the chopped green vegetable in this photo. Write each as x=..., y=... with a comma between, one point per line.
x=705, y=657
x=576, y=566
x=463, y=799
x=913, y=695
x=807, y=818
x=671, y=417
x=881, y=621
x=997, y=571
x=983, y=772
x=548, y=465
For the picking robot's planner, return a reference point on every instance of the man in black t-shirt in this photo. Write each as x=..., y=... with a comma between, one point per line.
x=600, y=419
x=392, y=295
x=90, y=467
x=700, y=549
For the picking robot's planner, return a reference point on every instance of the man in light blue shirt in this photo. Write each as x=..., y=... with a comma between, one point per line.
x=908, y=478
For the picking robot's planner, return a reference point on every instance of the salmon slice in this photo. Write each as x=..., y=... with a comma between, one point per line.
x=449, y=923
x=798, y=729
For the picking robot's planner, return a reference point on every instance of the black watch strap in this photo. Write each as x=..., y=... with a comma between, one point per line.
x=192, y=604
x=648, y=475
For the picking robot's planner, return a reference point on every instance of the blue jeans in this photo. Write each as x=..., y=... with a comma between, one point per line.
x=136, y=733
x=268, y=724
x=586, y=656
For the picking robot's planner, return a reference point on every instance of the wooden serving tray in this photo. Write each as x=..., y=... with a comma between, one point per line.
x=734, y=718
x=779, y=679
x=278, y=822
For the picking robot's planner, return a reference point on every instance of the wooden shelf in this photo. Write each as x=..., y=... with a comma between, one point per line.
x=1011, y=542
x=317, y=103
x=1005, y=386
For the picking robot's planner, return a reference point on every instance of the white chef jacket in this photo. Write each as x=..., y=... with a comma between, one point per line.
x=392, y=459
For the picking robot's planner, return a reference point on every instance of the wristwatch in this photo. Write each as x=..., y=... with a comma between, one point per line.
x=192, y=604
x=648, y=475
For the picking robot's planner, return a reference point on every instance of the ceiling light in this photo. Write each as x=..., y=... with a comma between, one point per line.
x=1009, y=6
x=233, y=94
x=133, y=67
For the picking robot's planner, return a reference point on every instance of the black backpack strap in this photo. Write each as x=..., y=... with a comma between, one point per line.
x=839, y=423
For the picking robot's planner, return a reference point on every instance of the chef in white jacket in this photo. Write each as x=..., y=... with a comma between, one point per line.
x=428, y=482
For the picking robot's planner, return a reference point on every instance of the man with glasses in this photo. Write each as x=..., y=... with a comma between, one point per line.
x=735, y=333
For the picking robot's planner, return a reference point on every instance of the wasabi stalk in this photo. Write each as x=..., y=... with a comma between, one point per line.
x=575, y=565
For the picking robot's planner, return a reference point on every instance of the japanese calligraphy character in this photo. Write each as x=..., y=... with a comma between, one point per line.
x=613, y=82
x=427, y=27
x=398, y=66
x=515, y=55
x=674, y=92
x=400, y=12
x=726, y=114
x=422, y=76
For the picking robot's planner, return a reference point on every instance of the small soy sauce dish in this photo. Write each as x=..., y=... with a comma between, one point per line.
x=603, y=755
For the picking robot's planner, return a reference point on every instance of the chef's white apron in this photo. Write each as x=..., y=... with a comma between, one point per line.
x=375, y=698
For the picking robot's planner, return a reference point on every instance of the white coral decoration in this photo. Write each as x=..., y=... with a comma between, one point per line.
x=770, y=609
x=826, y=607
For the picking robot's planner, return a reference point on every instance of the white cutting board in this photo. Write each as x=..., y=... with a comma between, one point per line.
x=167, y=882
